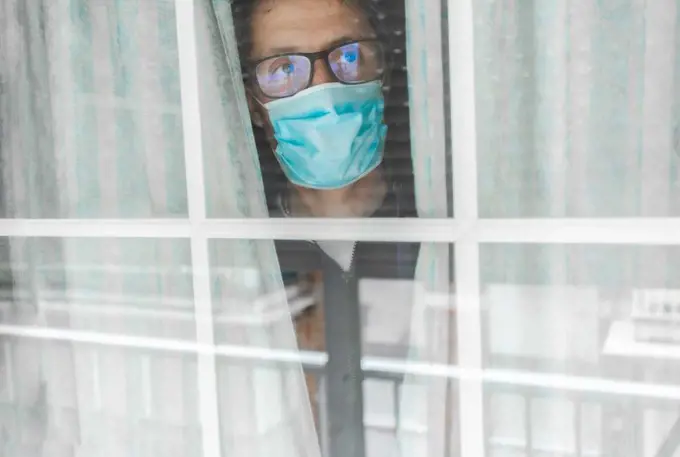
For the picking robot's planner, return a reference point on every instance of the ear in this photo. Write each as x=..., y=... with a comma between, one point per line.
x=255, y=109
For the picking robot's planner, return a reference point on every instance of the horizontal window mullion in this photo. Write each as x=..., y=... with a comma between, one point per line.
x=649, y=231
x=373, y=229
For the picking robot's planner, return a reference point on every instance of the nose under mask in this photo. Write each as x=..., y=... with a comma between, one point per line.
x=331, y=135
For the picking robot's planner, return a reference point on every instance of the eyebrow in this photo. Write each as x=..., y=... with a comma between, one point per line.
x=291, y=49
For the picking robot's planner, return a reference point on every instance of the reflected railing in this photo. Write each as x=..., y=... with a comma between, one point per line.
x=621, y=401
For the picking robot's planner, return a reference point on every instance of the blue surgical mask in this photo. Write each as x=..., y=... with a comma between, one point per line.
x=329, y=135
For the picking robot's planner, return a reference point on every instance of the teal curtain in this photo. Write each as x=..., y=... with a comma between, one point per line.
x=91, y=120
x=576, y=117
x=577, y=108
x=423, y=427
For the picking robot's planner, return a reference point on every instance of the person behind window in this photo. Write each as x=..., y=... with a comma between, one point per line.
x=316, y=73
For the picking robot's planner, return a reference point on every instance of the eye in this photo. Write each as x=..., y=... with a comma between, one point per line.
x=281, y=67
x=350, y=55
x=287, y=68
x=284, y=68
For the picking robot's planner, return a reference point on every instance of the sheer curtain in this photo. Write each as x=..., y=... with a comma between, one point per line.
x=425, y=401
x=575, y=116
x=92, y=128
x=577, y=105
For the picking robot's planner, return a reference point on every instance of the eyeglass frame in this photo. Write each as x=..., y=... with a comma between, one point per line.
x=313, y=57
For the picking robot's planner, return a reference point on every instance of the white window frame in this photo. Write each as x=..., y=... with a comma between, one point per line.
x=466, y=231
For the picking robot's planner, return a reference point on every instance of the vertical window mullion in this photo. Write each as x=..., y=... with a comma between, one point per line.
x=193, y=158
x=467, y=280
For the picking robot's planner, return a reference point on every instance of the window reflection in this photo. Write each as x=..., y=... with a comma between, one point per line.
x=581, y=318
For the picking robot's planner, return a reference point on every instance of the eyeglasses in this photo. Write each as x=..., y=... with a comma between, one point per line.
x=285, y=75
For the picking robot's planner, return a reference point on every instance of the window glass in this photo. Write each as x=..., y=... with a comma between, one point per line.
x=92, y=118
x=134, y=287
x=92, y=347
x=369, y=314
x=592, y=307
x=599, y=321
x=577, y=109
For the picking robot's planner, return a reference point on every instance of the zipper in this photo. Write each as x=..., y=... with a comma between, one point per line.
x=346, y=274
x=349, y=274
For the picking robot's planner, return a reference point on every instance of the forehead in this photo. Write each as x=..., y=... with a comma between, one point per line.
x=304, y=25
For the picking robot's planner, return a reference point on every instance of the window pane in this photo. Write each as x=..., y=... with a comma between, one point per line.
x=376, y=315
x=589, y=333
x=577, y=109
x=133, y=287
x=89, y=358
x=92, y=121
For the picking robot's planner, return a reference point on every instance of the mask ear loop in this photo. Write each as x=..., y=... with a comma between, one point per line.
x=250, y=92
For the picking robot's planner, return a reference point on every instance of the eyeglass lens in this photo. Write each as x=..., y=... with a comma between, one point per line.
x=351, y=63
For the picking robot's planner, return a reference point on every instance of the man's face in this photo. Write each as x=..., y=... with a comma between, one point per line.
x=280, y=26
x=288, y=26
